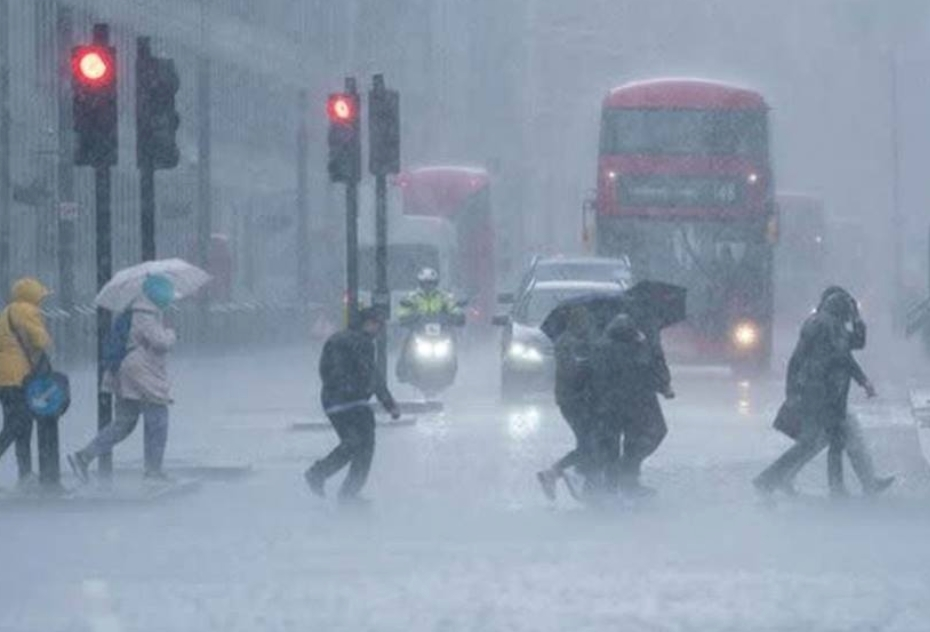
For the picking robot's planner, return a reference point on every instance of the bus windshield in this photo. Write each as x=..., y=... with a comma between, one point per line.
x=684, y=132
x=720, y=263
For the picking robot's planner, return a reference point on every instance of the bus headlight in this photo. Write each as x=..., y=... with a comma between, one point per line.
x=524, y=353
x=746, y=335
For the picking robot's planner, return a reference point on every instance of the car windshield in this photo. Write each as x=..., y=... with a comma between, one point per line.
x=598, y=271
x=539, y=303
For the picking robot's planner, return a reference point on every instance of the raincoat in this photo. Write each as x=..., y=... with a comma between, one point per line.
x=26, y=317
x=143, y=374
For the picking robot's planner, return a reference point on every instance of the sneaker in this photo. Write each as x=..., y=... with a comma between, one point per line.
x=157, y=476
x=762, y=487
x=547, y=480
x=79, y=466
x=315, y=482
x=880, y=485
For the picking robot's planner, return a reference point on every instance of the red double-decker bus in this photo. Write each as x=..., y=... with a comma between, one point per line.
x=685, y=189
x=461, y=195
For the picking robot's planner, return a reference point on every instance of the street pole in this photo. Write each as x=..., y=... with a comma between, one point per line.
x=303, y=204
x=66, y=221
x=204, y=192
x=382, y=295
x=6, y=193
x=896, y=228
x=351, y=87
x=102, y=190
x=146, y=167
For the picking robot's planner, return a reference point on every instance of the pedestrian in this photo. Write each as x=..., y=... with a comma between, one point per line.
x=24, y=345
x=574, y=396
x=138, y=380
x=630, y=372
x=350, y=377
x=847, y=436
x=822, y=351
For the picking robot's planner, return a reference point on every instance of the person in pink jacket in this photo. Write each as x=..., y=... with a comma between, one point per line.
x=140, y=385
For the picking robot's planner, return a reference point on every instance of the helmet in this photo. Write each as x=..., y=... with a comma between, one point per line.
x=428, y=279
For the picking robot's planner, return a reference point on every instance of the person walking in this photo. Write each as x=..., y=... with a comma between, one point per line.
x=574, y=396
x=350, y=377
x=823, y=349
x=846, y=435
x=139, y=381
x=24, y=345
x=629, y=375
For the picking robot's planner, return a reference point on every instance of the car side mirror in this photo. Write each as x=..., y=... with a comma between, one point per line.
x=506, y=298
x=500, y=321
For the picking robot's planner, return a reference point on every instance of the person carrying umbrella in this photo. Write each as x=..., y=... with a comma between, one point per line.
x=629, y=374
x=139, y=380
x=24, y=343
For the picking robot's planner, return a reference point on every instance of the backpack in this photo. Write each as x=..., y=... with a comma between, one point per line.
x=116, y=344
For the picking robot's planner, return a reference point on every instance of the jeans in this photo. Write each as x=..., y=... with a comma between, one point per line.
x=17, y=428
x=356, y=430
x=126, y=418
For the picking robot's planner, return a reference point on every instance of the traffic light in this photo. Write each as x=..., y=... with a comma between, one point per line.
x=383, y=130
x=93, y=80
x=345, y=139
x=157, y=119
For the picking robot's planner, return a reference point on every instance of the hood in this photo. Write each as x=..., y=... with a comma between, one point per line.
x=29, y=291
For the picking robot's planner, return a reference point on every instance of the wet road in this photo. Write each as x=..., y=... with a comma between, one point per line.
x=459, y=536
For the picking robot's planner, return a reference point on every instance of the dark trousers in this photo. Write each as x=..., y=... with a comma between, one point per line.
x=640, y=427
x=581, y=421
x=17, y=428
x=356, y=430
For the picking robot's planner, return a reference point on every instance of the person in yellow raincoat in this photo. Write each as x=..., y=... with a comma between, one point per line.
x=24, y=342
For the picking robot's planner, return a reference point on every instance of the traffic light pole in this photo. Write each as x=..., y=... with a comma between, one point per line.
x=66, y=221
x=352, y=251
x=104, y=320
x=303, y=204
x=6, y=187
x=382, y=297
x=147, y=208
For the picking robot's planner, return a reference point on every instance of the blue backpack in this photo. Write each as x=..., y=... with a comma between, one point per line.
x=116, y=345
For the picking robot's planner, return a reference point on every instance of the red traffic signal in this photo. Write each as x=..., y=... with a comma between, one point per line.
x=342, y=108
x=93, y=66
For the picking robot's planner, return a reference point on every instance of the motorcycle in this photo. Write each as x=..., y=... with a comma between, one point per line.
x=429, y=358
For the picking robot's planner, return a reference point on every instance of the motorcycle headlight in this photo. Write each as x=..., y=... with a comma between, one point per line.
x=423, y=348
x=746, y=335
x=442, y=348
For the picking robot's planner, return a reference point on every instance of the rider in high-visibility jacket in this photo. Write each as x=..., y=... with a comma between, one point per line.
x=428, y=299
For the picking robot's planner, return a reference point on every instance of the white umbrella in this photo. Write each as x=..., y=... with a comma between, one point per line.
x=126, y=285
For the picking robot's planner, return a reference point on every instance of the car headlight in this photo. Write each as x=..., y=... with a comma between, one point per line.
x=442, y=348
x=746, y=335
x=524, y=353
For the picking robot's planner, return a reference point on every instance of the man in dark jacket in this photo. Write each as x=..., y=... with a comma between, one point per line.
x=350, y=377
x=630, y=371
x=846, y=434
x=822, y=351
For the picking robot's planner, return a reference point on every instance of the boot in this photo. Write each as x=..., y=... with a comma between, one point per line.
x=315, y=482
x=547, y=480
x=879, y=485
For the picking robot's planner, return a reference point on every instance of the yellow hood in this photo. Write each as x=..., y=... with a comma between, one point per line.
x=29, y=291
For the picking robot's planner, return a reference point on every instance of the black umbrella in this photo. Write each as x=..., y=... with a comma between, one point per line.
x=651, y=303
